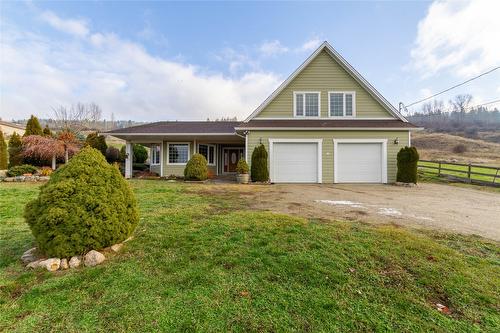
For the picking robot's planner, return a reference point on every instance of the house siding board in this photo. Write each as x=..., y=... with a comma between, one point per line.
x=324, y=74
x=255, y=137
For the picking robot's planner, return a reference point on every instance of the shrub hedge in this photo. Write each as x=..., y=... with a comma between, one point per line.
x=259, y=170
x=196, y=168
x=407, y=165
x=20, y=170
x=85, y=205
x=139, y=151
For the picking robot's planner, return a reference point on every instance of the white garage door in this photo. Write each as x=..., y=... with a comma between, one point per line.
x=359, y=163
x=294, y=162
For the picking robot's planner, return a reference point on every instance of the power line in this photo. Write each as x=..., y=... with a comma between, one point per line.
x=471, y=107
x=455, y=86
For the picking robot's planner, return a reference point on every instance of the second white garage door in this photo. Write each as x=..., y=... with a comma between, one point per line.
x=294, y=162
x=360, y=162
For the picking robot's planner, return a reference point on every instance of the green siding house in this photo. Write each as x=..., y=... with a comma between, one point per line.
x=324, y=124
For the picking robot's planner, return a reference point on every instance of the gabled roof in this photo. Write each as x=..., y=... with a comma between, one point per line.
x=347, y=67
x=180, y=127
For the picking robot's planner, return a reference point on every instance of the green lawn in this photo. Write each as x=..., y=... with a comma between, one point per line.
x=488, y=175
x=200, y=261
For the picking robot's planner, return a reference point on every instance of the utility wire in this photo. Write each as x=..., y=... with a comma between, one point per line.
x=455, y=86
x=469, y=107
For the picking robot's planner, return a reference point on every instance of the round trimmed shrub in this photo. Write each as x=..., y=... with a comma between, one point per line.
x=259, y=170
x=407, y=165
x=242, y=167
x=20, y=170
x=196, y=168
x=85, y=205
x=112, y=155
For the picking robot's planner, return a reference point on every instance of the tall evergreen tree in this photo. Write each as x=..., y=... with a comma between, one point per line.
x=3, y=152
x=47, y=131
x=15, y=150
x=33, y=127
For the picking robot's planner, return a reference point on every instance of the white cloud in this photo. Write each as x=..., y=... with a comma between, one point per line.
x=461, y=37
x=311, y=44
x=119, y=75
x=272, y=48
x=71, y=26
x=425, y=92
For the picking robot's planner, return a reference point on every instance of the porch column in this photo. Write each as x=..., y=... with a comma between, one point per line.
x=128, y=159
x=161, y=158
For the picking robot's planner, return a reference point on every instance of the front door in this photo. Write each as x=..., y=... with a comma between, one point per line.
x=231, y=158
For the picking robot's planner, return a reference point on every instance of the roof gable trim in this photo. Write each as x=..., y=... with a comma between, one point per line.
x=350, y=70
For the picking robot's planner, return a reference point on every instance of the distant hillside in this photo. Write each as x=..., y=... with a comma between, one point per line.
x=441, y=146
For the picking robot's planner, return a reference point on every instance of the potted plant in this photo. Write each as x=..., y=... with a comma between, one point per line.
x=242, y=169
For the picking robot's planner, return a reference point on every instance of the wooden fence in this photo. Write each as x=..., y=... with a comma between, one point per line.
x=467, y=173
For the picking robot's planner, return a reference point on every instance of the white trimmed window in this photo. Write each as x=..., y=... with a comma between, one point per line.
x=208, y=151
x=155, y=154
x=178, y=153
x=342, y=103
x=306, y=104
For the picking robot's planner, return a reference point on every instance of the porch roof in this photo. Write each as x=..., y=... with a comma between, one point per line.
x=179, y=127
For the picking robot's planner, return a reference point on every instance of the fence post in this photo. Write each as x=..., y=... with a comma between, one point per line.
x=439, y=169
x=468, y=173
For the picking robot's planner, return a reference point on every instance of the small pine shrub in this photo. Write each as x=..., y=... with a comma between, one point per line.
x=47, y=131
x=242, y=167
x=85, y=205
x=259, y=170
x=15, y=150
x=113, y=155
x=407, y=165
x=3, y=152
x=460, y=148
x=196, y=168
x=97, y=141
x=20, y=170
x=139, y=151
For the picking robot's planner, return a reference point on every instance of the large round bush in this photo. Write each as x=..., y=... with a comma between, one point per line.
x=85, y=205
x=196, y=168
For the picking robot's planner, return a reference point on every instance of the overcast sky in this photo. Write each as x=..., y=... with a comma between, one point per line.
x=163, y=61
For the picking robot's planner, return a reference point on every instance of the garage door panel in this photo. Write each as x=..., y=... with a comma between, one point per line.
x=295, y=162
x=359, y=162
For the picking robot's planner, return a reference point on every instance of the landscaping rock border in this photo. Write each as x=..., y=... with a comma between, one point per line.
x=32, y=259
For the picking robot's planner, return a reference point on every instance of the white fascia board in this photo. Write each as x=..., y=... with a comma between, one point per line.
x=329, y=129
x=173, y=134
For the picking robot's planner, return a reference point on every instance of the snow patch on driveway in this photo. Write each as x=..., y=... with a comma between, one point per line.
x=389, y=211
x=386, y=211
x=341, y=203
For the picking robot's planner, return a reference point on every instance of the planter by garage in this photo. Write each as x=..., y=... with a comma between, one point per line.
x=242, y=169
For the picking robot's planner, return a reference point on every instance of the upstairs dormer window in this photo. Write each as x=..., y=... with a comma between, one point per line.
x=306, y=104
x=342, y=103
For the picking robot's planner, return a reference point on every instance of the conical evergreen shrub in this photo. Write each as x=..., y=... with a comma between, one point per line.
x=85, y=205
x=407, y=165
x=15, y=150
x=3, y=152
x=33, y=127
x=259, y=169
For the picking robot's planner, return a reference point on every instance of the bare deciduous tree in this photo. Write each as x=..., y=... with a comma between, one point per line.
x=461, y=102
x=78, y=117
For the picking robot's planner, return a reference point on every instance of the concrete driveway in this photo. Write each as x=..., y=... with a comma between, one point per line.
x=431, y=206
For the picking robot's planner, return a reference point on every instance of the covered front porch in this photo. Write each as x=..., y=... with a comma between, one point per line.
x=169, y=154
